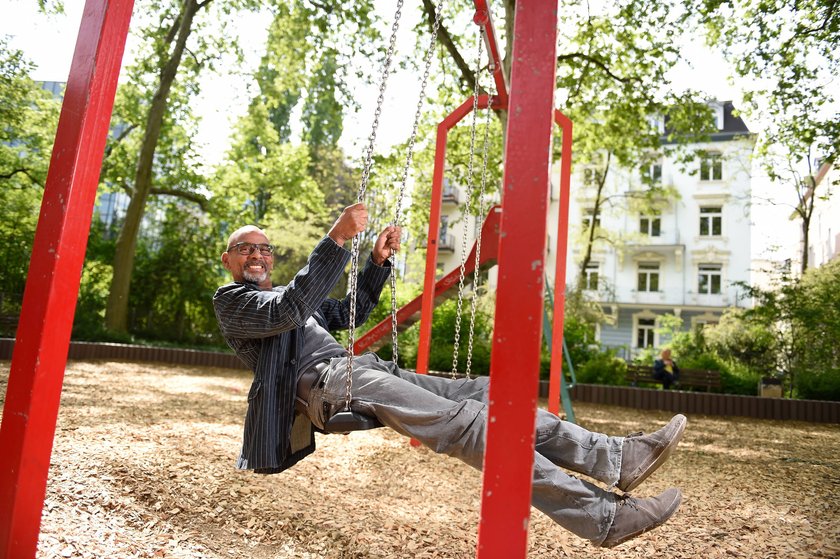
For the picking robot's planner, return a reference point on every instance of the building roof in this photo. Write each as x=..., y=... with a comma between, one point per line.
x=733, y=126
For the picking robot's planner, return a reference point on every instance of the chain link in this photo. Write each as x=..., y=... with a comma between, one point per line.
x=464, y=254
x=368, y=160
x=427, y=62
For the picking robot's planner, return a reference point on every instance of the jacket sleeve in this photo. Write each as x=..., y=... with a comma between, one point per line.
x=244, y=311
x=369, y=287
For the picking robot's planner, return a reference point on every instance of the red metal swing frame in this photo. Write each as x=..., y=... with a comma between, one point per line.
x=43, y=337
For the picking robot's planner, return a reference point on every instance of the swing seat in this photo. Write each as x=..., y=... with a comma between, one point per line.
x=346, y=421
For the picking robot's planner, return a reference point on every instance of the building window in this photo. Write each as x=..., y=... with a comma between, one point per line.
x=711, y=221
x=590, y=280
x=645, y=332
x=590, y=176
x=709, y=279
x=711, y=167
x=650, y=226
x=656, y=123
x=648, y=276
x=652, y=172
x=588, y=217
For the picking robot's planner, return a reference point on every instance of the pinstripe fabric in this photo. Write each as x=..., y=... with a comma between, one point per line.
x=266, y=328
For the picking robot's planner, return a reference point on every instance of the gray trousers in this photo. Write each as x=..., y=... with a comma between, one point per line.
x=450, y=417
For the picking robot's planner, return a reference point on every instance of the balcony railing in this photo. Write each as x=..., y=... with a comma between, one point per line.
x=451, y=196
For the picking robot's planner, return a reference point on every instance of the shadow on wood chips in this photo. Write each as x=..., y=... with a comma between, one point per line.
x=143, y=467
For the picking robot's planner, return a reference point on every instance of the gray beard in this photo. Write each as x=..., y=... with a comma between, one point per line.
x=255, y=278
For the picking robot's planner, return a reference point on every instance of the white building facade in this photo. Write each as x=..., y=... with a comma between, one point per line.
x=678, y=254
x=824, y=233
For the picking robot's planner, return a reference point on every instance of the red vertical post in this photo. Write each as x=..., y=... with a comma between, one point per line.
x=560, y=267
x=515, y=355
x=52, y=286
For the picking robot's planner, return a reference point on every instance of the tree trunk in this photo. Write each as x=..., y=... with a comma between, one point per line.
x=806, y=225
x=116, y=312
x=596, y=212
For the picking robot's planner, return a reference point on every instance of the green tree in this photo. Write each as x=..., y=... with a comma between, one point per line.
x=158, y=98
x=803, y=317
x=612, y=80
x=294, y=187
x=29, y=115
x=177, y=271
x=787, y=50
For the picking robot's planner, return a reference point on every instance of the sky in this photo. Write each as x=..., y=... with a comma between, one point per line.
x=49, y=42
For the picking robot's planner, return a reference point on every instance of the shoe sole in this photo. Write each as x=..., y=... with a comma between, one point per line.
x=669, y=513
x=663, y=456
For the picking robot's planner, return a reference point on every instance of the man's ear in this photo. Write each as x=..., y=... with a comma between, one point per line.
x=226, y=261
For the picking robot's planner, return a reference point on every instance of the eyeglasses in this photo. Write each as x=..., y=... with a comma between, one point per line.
x=247, y=249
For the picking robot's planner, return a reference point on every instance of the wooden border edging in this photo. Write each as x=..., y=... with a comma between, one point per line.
x=96, y=350
x=705, y=403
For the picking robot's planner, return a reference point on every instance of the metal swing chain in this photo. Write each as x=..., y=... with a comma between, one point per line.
x=368, y=160
x=427, y=61
x=480, y=218
x=467, y=208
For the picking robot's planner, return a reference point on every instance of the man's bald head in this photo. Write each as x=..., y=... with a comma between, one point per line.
x=237, y=235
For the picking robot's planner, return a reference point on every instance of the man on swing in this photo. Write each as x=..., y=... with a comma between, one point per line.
x=300, y=374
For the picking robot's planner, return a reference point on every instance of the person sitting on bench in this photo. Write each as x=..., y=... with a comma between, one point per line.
x=300, y=373
x=665, y=370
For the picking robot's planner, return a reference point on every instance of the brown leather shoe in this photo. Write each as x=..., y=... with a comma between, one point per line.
x=642, y=454
x=636, y=516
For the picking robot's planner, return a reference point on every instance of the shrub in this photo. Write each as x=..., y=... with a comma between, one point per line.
x=603, y=368
x=820, y=386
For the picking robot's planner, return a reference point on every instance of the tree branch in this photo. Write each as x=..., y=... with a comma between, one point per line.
x=599, y=63
x=321, y=6
x=191, y=196
x=119, y=138
x=22, y=171
x=445, y=39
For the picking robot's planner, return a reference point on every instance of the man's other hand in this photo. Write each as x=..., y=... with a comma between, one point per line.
x=387, y=244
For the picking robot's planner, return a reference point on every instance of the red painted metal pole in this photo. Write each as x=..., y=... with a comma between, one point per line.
x=560, y=267
x=49, y=301
x=515, y=355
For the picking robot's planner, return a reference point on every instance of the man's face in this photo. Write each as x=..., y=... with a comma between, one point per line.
x=254, y=267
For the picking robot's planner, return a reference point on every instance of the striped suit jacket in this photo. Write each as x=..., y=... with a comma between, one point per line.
x=265, y=328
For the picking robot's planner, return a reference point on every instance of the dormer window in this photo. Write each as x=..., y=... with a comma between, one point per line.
x=657, y=123
x=717, y=113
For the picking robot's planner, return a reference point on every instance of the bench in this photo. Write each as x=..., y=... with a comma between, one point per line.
x=640, y=375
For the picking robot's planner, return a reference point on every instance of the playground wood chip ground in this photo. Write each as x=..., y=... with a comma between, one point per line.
x=143, y=467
